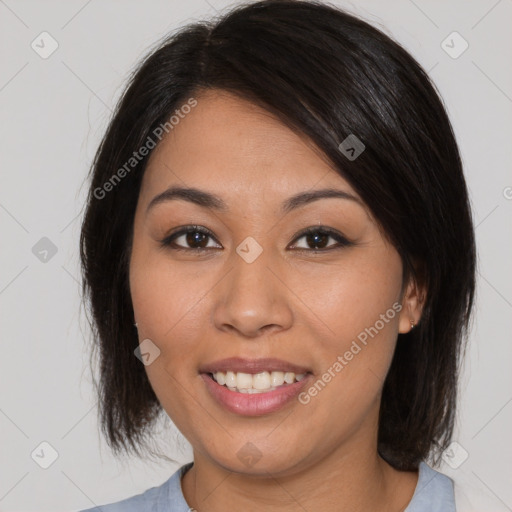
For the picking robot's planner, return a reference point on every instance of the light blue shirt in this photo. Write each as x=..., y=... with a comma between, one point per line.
x=433, y=493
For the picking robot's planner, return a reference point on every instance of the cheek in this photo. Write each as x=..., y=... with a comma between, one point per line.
x=356, y=306
x=170, y=312
x=349, y=297
x=166, y=297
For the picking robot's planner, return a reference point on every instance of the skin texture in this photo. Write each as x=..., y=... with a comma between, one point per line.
x=294, y=305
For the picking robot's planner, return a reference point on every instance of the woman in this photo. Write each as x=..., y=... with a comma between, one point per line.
x=279, y=255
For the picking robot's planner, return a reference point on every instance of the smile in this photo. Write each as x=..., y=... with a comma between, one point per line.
x=249, y=401
x=255, y=383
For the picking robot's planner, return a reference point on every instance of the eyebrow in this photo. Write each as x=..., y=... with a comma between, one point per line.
x=213, y=202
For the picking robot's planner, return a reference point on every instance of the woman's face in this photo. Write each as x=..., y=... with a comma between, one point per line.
x=255, y=287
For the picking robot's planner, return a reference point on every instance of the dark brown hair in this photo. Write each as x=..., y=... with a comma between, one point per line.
x=326, y=74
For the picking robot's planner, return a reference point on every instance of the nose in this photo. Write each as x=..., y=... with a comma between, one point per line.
x=253, y=300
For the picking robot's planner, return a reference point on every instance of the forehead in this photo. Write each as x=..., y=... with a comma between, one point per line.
x=230, y=145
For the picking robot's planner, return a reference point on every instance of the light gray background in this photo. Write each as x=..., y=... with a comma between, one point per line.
x=54, y=112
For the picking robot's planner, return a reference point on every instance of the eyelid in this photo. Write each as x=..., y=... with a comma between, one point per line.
x=331, y=232
x=183, y=230
x=193, y=228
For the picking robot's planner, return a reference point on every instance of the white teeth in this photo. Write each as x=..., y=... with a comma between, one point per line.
x=289, y=377
x=230, y=379
x=243, y=380
x=257, y=383
x=261, y=380
x=277, y=378
x=221, y=378
x=253, y=391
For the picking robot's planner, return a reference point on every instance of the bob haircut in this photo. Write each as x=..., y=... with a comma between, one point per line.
x=326, y=74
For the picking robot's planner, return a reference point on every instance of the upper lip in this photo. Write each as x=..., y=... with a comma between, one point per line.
x=240, y=364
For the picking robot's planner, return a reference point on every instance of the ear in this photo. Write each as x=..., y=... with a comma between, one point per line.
x=412, y=306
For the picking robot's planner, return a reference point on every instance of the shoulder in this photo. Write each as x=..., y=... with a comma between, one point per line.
x=434, y=492
x=166, y=497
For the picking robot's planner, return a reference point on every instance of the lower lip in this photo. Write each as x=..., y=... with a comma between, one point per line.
x=255, y=404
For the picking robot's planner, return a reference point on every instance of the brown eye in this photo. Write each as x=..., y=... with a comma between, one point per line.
x=316, y=239
x=196, y=238
x=192, y=238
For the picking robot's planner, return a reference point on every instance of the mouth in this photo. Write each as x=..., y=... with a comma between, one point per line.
x=261, y=382
x=254, y=387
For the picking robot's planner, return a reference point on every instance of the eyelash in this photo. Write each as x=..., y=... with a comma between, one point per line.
x=168, y=241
